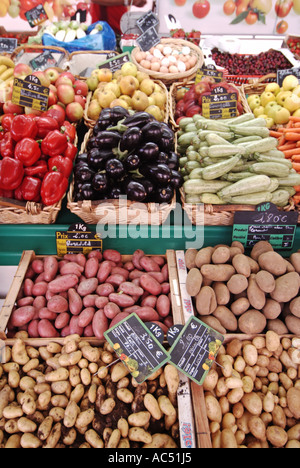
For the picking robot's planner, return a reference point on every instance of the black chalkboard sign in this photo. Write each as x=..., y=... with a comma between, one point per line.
x=43, y=61
x=8, y=45
x=148, y=39
x=196, y=349
x=282, y=74
x=220, y=104
x=30, y=93
x=147, y=21
x=209, y=70
x=115, y=62
x=137, y=347
x=78, y=239
x=36, y=16
x=266, y=223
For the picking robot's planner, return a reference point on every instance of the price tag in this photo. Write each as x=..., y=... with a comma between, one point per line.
x=148, y=39
x=8, y=45
x=195, y=350
x=147, y=21
x=137, y=347
x=78, y=239
x=43, y=61
x=209, y=70
x=282, y=74
x=115, y=63
x=266, y=223
x=36, y=16
x=30, y=93
x=220, y=104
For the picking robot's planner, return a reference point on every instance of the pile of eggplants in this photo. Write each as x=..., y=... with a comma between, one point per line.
x=129, y=155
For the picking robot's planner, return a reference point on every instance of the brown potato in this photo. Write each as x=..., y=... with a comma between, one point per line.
x=286, y=287
x=252, y=322
x=237, y=284
x=217, y=272
x=227, y=319
x=265, y=281
x=272, y=262
x=206, y=302
x=194, y=282
x=256, y=296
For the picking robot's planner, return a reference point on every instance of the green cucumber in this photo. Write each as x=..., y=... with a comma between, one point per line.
x=221, y=151
x=270, y=169
x=251, y=199
x=257, y=183
x=217, y=170
x=199, y=186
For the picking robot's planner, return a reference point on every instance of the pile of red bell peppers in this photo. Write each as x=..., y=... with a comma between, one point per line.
x=37, y=155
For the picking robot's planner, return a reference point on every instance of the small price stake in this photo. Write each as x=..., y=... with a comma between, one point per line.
x=148, y=39
x=195, y=349
x=266, y=223
x=36, y=16
x=78, y=239
x=137, y=347
x=43, y=61
x=282, y=74
x=220, y=104
x=115, y=63
x=8, y=45
x=147, y=21
x=30, y=93
x=209, y=70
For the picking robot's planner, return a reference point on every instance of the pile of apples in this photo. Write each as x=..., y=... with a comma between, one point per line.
x=65, y=91
x=189, y=99
x=277, y=103
x=127, y=87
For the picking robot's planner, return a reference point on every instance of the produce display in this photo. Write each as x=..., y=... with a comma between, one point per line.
x=86, y=296
x=293, y=43
x=65, y=31
x=252, y=401
x=132, y=155
x=65, y=396
x=219, y=157
x=251, y=65
x=7, y=67
x=239, y=293
x=37, y=154
x=128, y=88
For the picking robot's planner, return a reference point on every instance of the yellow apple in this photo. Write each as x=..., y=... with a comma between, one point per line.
x=270, y=122
x=296, y=113
x=292, y=103
x=92, y=82
x=114, y=87
x=290, y=82
x=128, y=85
x=297, y=90
x=272, y=88
x=105, y=98
x=160, y=99
x=156, y=112
x=119, y=103
x=105, y=75
x=127, y=99
x=94, y=110
x=271, y=111
x=267, y=97
x=282, y=116
x=129, y=69
x=254, y=103
x=147, y=86
x=258, y=111
x=142, y=76
x=117, y=74
x=281, y=97
x=252, y=98
x=140, y=101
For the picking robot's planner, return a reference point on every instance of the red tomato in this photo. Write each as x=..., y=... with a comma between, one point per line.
x=283, y=7
x=201, y=8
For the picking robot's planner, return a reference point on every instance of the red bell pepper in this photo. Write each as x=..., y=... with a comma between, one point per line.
x=54, y=143
x=54, y=187
x=69, y=130
x=11, y=173
x=24, y=126
x=18, y=194
x=71, y=151
x=27, y=151
x=7, y=146
x=39, y=169
x=31, y=189
x=6, y=121
x=46, y=124
x=7, y=193
x=61, y=164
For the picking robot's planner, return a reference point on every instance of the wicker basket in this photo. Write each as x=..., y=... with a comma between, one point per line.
x=258, y=86
x=122, y=211
x=178, y=85
x=26, y=53
x=79, y=61
x=91, y=123
x=14, y=212
x=169, y=78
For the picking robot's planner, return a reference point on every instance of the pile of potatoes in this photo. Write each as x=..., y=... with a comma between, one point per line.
x=65, y=396
x=238, y=293
x=253, y=400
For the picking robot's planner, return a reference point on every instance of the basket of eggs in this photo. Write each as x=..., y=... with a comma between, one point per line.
x=170, y=60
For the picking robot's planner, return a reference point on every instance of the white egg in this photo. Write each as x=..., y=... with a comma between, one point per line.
x=172, y=59
x=175, y=52
x=167, y=50
x=165, y=62
x=181, y=66
x=157, y=53
x=186, y=50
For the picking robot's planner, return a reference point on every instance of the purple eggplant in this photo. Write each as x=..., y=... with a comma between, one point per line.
x=115, y=169
x=149, y=152
x=131, y=139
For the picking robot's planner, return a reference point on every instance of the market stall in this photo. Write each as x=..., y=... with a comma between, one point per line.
x=149, y=227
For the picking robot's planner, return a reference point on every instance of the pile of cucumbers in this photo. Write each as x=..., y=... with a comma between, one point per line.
x=233, y=161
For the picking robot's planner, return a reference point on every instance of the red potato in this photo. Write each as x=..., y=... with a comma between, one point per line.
x=28, y=285
x=132, y=309
x=163, y=306
x=32, y=329
x=96, y=254
x=111, y=310
x=115, y=280
x=122, y=300
x=75, y=302
x=63, y=283
x=74, y=327
x=105, y=289
x=87, y=286
x=131, y=289
x=86, y=317
x=46, y=329
x=71, y=268
x=50, y=268
x=165, y=288
x=38, y=266
x=30, y=273
x=168, y=321
x=165, y=272
x=149, y=301
x=120, y=271
x=62, y=320
x=118, y=318
x=148, y=283
x=159, y=260
x=148, y=264
x=39, y=302
x=81, y=259
x=25, y=301
x=58, y=304
x=40, y=289
x=40, y=278
x=138, y=254
x=100, y=324
x=101, y=302
x=147, y=314
x=45, y=313
x=91, y=268
x=157, y=275
x=135, y=274
x=112, y=255
x=22, y=316
x=104, y=271
x=129, y=266
x=89, y=300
